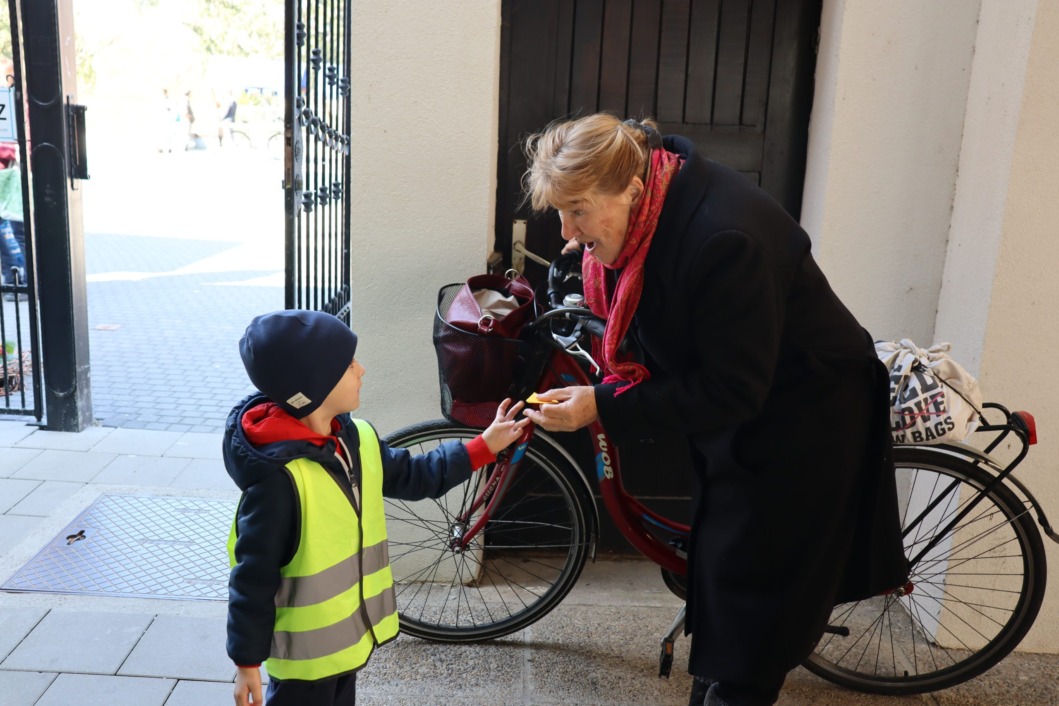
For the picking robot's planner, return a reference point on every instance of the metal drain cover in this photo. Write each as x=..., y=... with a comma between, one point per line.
x=137, y=547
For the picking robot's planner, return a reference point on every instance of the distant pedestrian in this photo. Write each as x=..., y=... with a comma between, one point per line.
x=311, y=594
x=171, y=129
x=228, y=109
x=12, y=231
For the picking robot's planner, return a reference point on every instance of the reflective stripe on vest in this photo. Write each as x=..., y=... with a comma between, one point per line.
x=335, y=602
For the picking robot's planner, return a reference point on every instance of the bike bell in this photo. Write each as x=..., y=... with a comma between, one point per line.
x=573, y=299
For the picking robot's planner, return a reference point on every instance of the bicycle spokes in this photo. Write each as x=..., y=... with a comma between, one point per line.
x=975, y=587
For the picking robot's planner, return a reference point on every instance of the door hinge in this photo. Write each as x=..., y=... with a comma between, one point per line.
x=76, y=147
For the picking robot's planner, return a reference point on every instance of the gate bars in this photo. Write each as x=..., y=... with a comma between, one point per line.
x=21, y=382
x=317, y=158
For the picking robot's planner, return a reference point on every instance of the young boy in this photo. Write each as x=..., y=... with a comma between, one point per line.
x=310, y=592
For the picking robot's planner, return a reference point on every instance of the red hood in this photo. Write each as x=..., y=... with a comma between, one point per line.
x=267, y=423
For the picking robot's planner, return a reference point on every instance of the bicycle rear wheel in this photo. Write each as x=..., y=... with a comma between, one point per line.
x=974, y=595
x=519, y=567
x=240, y=139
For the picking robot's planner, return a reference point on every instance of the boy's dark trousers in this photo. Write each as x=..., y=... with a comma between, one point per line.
x=340, y=691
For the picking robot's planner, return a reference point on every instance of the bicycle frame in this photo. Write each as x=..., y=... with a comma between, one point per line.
x=636, y=522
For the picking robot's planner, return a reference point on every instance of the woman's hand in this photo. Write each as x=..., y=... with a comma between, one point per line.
x=572, y=409
x=248, y=686
x=505, y=429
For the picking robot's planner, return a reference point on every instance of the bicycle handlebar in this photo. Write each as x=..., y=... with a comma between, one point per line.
x=592, y=323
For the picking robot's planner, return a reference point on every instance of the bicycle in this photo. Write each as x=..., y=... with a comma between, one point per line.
x=499, y=552
x=241, y=140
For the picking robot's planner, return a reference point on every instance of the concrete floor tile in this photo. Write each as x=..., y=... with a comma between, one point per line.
x=805, y=689
x=65, y=441
x=137, y=442
x=620, y=582
x=200, y=693
x=196, y=445
x=134, y=424
x=13, y=459
x=1032, y=677
x=15, y=624
x=144, y=471
x=82, y=642
x=23, y=688
x=621, y=645
x=95, y=690
x=204, y=474
x=14, y=529
x=13, y=490
x=487, y=673
x=11, y=432
x=182, y=648
x=69, y=466
x=413, y=698
x=43, y=500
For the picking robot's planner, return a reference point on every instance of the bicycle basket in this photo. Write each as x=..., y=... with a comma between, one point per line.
x=476, y=372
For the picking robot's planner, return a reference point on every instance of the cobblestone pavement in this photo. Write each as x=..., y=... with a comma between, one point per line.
x=178, y=261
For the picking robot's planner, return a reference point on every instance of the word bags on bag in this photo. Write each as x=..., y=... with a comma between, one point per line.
x=932, y=398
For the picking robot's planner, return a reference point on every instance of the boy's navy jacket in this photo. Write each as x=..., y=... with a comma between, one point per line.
x=268, y=521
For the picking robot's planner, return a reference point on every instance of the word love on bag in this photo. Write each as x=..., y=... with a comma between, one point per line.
x=932, y=398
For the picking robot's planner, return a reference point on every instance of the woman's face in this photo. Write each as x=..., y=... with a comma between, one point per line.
x=599, y=222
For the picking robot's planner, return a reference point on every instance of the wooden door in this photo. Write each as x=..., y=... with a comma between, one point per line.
x=735, y=76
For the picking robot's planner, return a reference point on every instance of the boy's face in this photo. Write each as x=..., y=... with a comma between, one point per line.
x=346, y=395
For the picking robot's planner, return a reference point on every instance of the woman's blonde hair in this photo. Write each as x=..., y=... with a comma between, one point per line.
x=596, y=153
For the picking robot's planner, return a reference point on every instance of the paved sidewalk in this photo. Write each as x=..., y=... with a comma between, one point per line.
x=599, y=647
x=178, y=261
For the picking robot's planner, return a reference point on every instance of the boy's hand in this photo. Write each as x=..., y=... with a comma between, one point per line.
x=247, y=685
x=505, y=429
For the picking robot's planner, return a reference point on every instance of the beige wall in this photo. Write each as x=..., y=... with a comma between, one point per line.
x=1021, y=333
x=884, y=143
x=930, y=195
x=424, y=181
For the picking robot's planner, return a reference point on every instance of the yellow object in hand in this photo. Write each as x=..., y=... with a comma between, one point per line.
x=533, y=399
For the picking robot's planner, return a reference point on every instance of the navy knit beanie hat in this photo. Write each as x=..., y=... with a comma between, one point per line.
x=296, y=357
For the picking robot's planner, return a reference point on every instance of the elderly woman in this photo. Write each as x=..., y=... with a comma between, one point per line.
x=750, y=356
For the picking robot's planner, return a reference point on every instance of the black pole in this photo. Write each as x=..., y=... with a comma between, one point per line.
x=48, y=33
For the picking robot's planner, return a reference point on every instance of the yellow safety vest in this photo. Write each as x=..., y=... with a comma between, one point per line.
x=335, y=601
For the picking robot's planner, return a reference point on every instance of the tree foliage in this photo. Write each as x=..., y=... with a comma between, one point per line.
x=175, y=37
x=252, y=28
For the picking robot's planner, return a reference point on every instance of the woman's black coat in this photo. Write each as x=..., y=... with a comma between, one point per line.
x=777, y=389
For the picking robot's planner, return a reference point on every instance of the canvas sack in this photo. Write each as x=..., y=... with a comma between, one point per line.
x=933, y=400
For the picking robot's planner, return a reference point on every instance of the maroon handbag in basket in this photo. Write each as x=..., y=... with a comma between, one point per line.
x=477, y=346
x=467, y=312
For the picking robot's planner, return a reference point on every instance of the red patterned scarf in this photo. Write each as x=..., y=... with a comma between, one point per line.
x=618, y=307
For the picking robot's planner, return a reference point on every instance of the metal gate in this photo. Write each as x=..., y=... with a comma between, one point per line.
x=20, y=360
x=317, y=160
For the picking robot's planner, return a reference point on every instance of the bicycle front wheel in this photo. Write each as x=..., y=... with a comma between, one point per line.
x=973, y=597
x=520, y=566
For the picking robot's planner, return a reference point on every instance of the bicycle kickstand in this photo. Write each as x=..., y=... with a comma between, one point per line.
x=665, y=656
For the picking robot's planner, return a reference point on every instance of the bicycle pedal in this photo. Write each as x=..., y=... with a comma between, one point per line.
x=665, y=658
